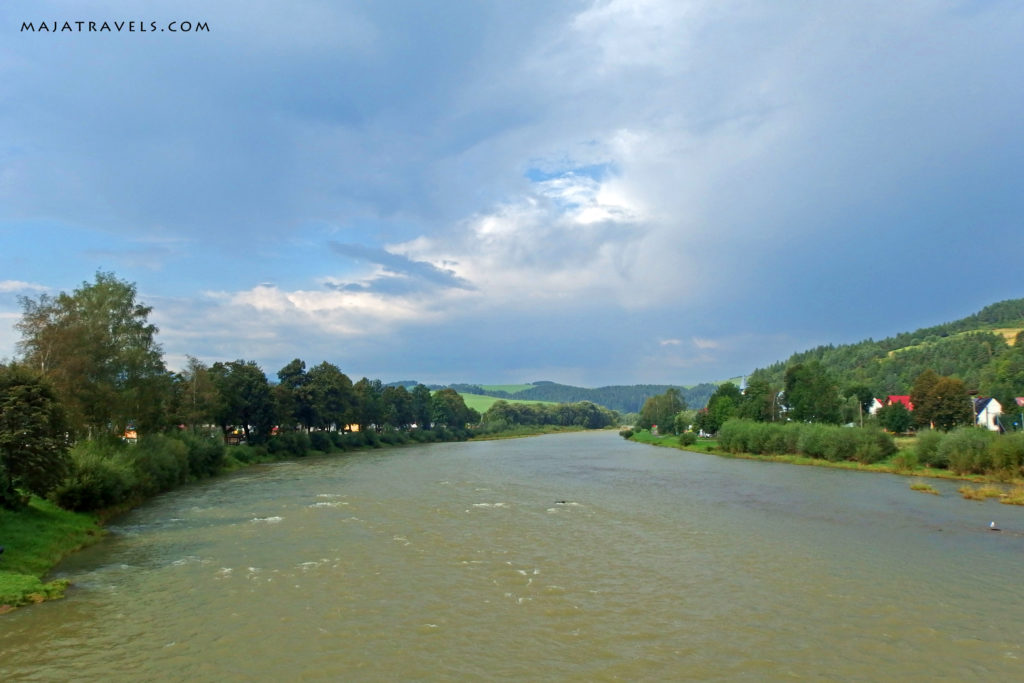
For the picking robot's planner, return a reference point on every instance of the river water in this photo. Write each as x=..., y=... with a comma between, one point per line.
x=576, y=557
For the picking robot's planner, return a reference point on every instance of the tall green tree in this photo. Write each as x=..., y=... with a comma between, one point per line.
x=196, y=397
x=895, y=417
x=422, y=406
x=293, y=395
x=942, y=402
x=450, y=410
x=760, y=400
x=33, y=444
x=333, y=396
x=923, y=398
x=99, y=351
x=661, y=410
x=811, y=395
x=245, y=399
x=397, y=407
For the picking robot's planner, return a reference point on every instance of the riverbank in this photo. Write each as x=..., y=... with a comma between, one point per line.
x=35, y=540
x=891, y=465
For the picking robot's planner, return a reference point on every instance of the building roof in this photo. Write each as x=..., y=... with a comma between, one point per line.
x=905, y=400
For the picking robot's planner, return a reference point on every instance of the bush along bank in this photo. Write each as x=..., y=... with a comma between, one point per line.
x=963, y=453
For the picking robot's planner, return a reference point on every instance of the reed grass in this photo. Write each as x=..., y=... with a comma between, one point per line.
x=983, y=492
x=923, y=487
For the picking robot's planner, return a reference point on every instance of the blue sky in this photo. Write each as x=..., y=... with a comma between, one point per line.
x=596, y=193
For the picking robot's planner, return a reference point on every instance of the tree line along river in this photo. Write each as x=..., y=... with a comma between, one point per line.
x=567, y=557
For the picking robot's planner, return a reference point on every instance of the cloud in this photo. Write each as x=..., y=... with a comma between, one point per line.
x=8, y=286
x=705, y=343
x=417, y=178
x=393, y=267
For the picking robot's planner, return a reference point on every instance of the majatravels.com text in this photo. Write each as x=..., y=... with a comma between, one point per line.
x=115, y=27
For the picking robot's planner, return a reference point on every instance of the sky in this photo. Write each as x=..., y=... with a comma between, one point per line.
x=492, y=191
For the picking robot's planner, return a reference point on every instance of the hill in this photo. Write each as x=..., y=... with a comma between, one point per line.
x=623, y=398
x=981, y=349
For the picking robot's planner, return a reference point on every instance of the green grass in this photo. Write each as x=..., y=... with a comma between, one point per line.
x=509, y=388
x=482, y=403
x=923, y=487
x=35, y=540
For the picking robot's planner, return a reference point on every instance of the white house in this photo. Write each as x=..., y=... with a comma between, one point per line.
x=876, y=405
x=987, y=412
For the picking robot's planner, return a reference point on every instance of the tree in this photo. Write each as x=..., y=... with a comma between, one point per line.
x=660, y=411
x=941, y=401
x=397, y=407
x=369, y=408
x=332, y=396
x=722, y=405
x=196, y=396
x=895, y=417
x=450, y=409
x=292, y=395
x=98, y=350
x=922, y=397
x=245, y=399
x=422, y=406
x=864, y=397
x=33, y=444
x=760, y=401
x=811, y=394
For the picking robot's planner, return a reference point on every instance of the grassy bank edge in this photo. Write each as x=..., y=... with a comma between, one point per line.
x=710, y=447
x=35, y=540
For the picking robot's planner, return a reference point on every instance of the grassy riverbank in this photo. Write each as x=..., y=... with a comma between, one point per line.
x=35, y=540
x=523, y=431
x=891, y=465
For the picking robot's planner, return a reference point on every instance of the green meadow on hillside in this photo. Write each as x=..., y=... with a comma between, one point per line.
x=508, y=388
x=482, y=403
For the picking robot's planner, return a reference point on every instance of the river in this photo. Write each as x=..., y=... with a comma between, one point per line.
x=572, y=557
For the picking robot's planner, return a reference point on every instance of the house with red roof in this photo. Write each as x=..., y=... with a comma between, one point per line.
x=905, y=400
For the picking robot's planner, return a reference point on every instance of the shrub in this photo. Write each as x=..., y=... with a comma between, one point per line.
x=687, y=439
x=813, y=440
x=873, y=445
x=626, y=433
x=160, y=462
x=100, y=478
x=906, y=461
x=205, y=454
x=1008, y=453
x=926, y=445
x=294, y=444
x=321, y=441
x=967, y=450
x=249, y=453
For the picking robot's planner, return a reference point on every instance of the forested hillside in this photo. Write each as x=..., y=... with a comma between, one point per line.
x=625, y=399
x=984, y=350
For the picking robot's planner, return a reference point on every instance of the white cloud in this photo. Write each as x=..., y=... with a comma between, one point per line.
x=10, y=286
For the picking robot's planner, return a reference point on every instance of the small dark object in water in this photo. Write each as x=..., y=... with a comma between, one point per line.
x=559, y=502
x=992, y=527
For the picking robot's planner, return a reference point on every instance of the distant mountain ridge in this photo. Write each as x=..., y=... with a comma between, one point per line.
x=623, y=398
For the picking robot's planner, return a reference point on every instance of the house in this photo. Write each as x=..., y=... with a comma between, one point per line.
x=987, y=412
x=875, y=406
x=905, y=400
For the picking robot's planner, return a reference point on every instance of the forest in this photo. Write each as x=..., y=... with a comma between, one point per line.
x=982, y=350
